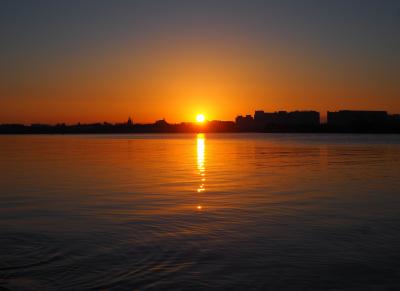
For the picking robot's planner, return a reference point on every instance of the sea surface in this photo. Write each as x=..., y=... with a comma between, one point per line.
x=206, y=211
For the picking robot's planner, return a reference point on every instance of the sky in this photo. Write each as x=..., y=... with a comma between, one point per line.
x=86, y=61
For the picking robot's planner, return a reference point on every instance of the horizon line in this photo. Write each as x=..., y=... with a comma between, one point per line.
x=188, y=122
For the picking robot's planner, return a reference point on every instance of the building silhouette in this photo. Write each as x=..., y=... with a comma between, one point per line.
x=245, y=123
x=394, y=120
x=161, y=123
x=279, y=121
x=343, y=121
x=129, y=122
x=300, y=118
x=357, y=118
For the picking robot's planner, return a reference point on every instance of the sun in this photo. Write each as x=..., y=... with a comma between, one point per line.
x=200, y=118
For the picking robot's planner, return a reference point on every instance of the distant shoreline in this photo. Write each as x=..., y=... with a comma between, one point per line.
x=343, y=121
x=205, y=132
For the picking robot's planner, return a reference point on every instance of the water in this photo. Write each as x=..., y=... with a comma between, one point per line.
x=215, y=211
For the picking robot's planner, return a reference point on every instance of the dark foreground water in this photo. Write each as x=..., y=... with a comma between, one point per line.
x=245, y=211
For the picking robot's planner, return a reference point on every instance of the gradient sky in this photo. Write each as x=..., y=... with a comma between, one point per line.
x=70, y=61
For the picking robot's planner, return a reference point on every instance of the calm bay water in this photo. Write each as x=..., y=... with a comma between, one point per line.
x=254, y=211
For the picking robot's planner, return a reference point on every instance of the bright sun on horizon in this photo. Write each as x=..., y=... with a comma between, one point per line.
x=200, y=118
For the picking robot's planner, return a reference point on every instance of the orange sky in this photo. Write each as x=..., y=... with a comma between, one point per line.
x=170, y=71
x=177, y=85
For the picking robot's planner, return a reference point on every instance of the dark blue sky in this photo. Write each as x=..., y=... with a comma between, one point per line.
x=343, y=24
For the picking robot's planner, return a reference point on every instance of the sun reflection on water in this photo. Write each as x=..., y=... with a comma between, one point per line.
x=201, y=164
x=200, y=160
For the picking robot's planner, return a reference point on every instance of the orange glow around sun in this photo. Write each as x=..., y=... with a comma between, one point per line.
x=200, y=118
